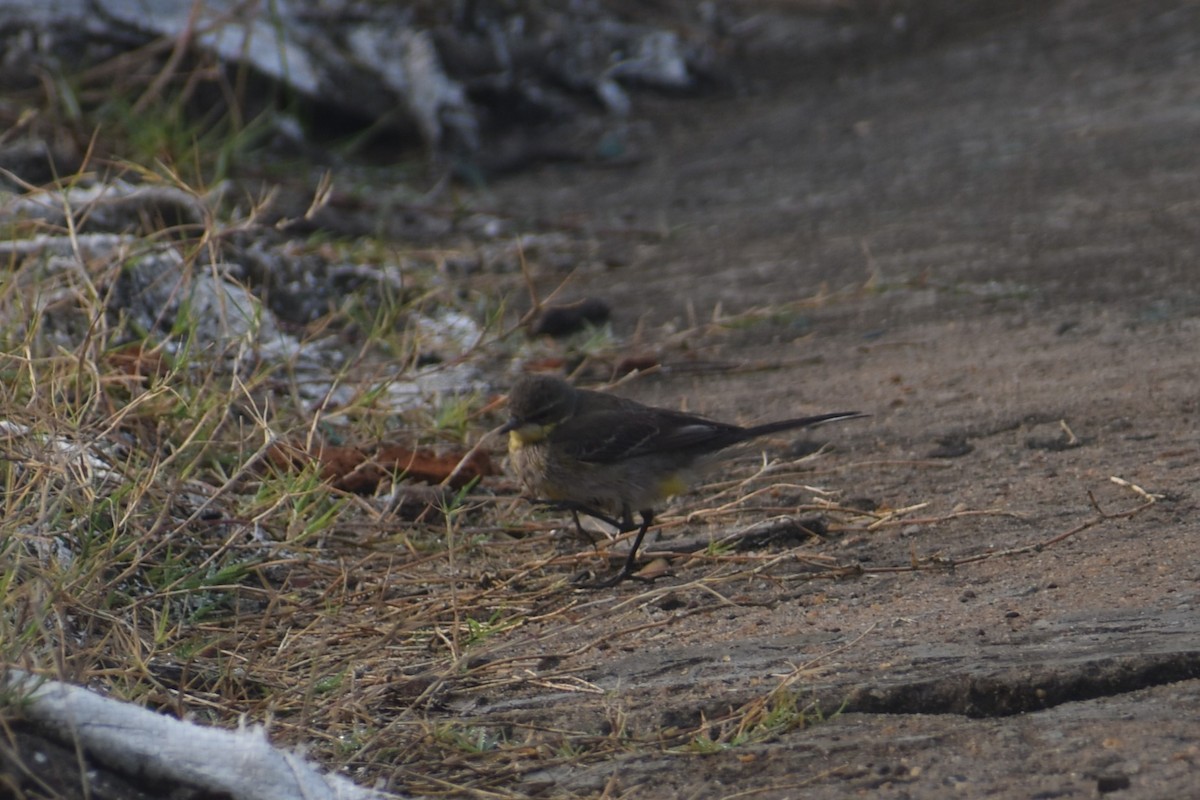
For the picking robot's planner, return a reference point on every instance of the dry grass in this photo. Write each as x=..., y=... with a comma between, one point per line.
x=148, y=549
x=151, y=551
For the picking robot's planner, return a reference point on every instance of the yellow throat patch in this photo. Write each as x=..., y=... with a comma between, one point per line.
x=527, y=434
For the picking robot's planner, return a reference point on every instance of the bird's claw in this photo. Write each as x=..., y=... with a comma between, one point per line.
x=624, y=574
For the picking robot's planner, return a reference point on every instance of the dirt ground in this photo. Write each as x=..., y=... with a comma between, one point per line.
x=1005, y=221
x=977, y=221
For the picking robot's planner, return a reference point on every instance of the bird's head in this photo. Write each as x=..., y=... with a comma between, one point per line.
x=536, y=404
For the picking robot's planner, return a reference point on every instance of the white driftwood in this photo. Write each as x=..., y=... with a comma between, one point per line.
x=137, y=741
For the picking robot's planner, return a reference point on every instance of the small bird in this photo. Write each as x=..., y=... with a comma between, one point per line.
x=606, y=456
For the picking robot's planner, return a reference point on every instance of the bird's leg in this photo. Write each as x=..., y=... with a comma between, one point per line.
x=579, y=508
x=627, y=518
x=584, y=535
x=627, y=571
x=631, y=559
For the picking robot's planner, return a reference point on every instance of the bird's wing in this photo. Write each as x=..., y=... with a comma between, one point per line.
x=608, y=436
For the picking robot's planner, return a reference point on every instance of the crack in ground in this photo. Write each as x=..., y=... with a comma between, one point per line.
x=1022, y=690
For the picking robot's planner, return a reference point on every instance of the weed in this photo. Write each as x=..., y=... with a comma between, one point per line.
x=479, y=631
x=454, y=415
x=718, y=548
x=470, y=739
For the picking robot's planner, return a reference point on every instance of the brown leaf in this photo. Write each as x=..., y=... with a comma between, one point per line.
x=426, y=465
x=138, y=362
x=638, y=362
x=353, y=469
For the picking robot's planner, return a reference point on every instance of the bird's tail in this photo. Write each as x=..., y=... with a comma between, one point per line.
x=799, y=422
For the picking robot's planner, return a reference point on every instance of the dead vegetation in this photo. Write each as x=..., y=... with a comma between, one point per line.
x=153, y=549
x=201, y=515
x=177, y=533
x=212, y=528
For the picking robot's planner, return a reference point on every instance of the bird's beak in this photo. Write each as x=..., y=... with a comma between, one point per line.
x=512, y=424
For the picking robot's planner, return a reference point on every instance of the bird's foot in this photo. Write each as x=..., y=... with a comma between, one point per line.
x=627, y=573
x=582, y=580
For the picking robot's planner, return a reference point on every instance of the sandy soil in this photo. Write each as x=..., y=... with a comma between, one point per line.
x=1005, y=219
